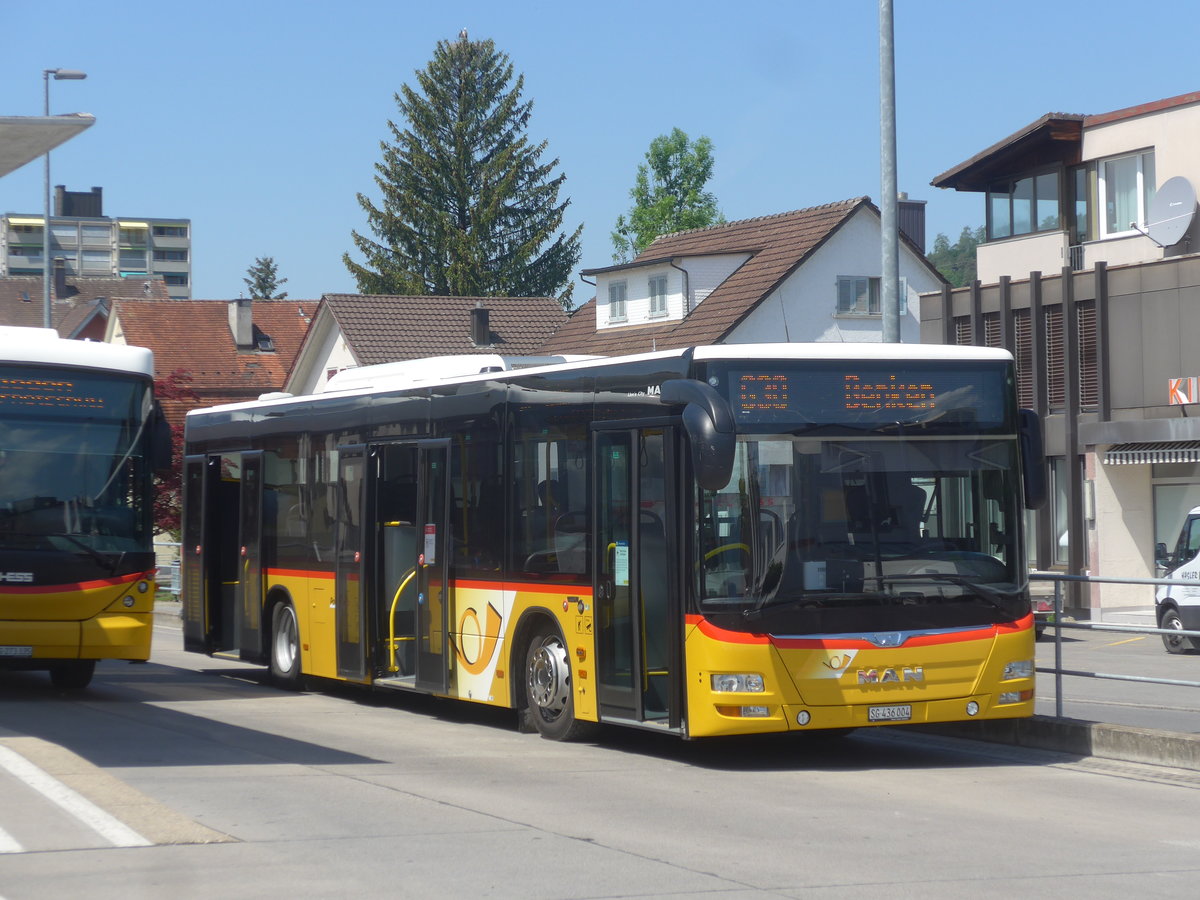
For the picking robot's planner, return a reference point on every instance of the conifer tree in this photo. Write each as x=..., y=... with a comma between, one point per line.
x=264, y=281
x=468, y=208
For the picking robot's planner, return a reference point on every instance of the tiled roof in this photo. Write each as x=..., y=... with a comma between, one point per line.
x=778, y=244
x=383, y=328
x=194, y=335
x=21, y=296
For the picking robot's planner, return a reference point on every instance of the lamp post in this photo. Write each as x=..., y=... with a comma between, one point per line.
x=47, y=271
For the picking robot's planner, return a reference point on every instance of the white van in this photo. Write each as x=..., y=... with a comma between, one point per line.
x=1178, y=606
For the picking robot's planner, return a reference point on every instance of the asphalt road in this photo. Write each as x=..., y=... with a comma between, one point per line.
x=227, y=787
x=1106, y=653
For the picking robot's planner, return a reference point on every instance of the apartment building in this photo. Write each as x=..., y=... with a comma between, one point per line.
x=92, y=244
x=1090, y=274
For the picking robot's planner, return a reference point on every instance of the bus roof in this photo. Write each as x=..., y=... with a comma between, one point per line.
x=363, y=381
x=43, y=346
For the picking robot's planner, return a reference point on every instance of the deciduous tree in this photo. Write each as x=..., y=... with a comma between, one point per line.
x=668, y=194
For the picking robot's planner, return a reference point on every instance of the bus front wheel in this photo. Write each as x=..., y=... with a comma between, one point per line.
x=285, y=647
x=72, y=676
x=548, y=691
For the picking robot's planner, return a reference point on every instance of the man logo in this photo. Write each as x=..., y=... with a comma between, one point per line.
x=890, y=675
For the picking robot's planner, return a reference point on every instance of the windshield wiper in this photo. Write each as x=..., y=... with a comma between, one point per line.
x=107, y=561
x=993, y=596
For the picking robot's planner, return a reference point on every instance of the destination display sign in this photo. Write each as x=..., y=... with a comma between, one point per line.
x=33, y=393
x=866, y=394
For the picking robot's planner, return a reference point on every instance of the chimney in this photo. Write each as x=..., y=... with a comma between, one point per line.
x=59, y=290
x=241, y=323
x=481, y=332
x=911, y=219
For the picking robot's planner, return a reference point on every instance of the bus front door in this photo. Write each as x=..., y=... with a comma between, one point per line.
x=433, y=548
x=212, y=569
x=637, y=610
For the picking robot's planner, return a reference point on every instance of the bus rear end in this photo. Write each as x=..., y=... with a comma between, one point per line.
x=76, y=552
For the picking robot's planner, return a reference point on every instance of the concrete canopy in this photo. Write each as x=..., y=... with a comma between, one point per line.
x=25, y=138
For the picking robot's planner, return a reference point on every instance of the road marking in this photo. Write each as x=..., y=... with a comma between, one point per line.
x=108, y=827
x=9, y=844
x=1126, y=641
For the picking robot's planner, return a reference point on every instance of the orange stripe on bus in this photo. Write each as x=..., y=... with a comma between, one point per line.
x=98, y=584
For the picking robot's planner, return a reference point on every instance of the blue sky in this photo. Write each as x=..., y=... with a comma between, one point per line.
x=260, y=120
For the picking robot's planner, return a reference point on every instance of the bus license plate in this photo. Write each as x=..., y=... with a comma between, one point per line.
x=889, y=713
x=16, y=651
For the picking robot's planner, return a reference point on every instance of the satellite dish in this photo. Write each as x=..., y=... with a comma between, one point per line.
x=1171, y=212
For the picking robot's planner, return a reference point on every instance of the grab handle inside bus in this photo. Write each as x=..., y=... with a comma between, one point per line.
x=708, y=421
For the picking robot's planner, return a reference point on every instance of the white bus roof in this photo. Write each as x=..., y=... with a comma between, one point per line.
x=43, y=346
x=391, y=376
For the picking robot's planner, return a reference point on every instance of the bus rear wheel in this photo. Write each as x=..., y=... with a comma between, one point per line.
x=72, y=676
x=548, y=691
x=285, y=647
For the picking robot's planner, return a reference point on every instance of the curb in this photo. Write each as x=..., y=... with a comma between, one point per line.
x=1083, y=738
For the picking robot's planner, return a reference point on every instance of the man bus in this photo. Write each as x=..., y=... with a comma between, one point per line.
x=713, y=541
x=77, y=428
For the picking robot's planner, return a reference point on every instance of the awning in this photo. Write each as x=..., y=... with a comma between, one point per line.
x=25, y=138
x=1147, y=452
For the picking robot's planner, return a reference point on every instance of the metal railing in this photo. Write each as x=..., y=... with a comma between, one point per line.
x=1058, y=671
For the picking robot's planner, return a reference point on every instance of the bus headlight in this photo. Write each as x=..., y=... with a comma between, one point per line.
x=1022, y=669
x=737, y=684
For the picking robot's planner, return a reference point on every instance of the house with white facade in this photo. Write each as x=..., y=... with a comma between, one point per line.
x=807, y=275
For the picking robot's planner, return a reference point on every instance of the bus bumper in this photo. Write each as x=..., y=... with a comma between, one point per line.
x=107, y=636
x=729, y=719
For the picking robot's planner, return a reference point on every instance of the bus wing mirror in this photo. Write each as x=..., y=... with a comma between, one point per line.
x=708, y=422
x=1033, y=459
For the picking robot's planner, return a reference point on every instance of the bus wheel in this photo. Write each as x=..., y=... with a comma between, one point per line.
x=551, y=705
x=1175, y=643
x=72, y=676
x=285, y=647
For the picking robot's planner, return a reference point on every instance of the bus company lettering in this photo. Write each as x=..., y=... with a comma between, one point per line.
x=886, y=675
x=16, y=577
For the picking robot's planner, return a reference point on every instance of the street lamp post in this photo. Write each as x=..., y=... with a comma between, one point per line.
x=47, y=272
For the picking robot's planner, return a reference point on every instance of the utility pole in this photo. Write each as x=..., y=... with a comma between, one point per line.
x=889, y=219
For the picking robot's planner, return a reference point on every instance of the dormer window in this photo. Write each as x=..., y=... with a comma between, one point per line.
x=616, y=302
x=658, y=295
x=1023, y=206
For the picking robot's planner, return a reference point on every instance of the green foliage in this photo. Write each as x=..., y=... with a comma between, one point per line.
x=956, y=261
x=468, y=208
x=668, y=194
x=264, y=281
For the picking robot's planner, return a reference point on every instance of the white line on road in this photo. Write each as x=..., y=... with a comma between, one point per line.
x=107, y=826
x=9, y=844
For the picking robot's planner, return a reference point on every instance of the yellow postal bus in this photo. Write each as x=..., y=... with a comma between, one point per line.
x=77, y=425
x=712, y=541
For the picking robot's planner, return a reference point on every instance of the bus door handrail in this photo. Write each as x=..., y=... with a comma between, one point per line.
x=392, y=667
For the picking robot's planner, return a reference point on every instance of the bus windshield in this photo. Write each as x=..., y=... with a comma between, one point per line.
x=853, y=534
x=73, y=473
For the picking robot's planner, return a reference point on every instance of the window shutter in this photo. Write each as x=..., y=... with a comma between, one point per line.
x=1022, y=329
x=1055, y=370
x=1089, y=376
x=962, y=330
